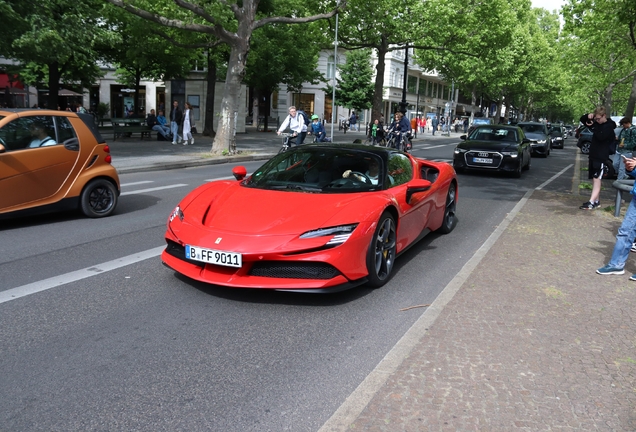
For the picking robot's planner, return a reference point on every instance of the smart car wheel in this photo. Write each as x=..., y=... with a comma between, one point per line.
x=381, y=253
x=450, y=220
x=98, y=199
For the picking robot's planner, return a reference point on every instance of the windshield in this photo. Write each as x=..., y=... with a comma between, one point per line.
x=532, y=128
x=321, y=170
x=494, y=134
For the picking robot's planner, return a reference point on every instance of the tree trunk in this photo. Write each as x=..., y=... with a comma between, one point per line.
x=255, y=112
x=136, y=106
x=629, y=111
x=225, y=138
x=54, y=86
x=208, y=127
x=376, y=111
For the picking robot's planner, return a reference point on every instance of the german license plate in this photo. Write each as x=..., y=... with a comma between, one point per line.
x=211, y=256
x=482, y=160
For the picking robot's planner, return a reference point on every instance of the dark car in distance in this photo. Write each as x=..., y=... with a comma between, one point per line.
x=493, y=148
x=557, y=136
x=539, y=137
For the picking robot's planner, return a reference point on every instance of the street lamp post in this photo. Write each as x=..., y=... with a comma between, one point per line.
x=403, y=103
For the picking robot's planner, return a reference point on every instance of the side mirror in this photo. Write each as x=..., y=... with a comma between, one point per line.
x=463, y=137
x=525, y=141
x=418, y=185
x=239, y=172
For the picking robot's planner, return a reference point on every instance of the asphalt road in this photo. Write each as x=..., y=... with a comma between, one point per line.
x=136, y=347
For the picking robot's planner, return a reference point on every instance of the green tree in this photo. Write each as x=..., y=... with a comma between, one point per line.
x=280, y=55
x=354, y=89
x=600, y=34
x=57, y=41
x=232, y=24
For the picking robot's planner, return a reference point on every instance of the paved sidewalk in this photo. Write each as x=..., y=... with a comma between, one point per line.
x=532, y=340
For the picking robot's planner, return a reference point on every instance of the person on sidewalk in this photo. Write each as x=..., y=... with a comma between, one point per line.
x=176, y=116
x=434, y=123
x=187, y=125
x=626, y=233
x=353, y=121
x=154, y=124
x=602, y=138
x=626, y=145
x=297, y=125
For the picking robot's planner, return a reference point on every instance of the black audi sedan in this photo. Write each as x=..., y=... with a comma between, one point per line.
x=493, y=148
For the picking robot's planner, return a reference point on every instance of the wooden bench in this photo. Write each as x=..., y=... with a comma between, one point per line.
x=127, y=126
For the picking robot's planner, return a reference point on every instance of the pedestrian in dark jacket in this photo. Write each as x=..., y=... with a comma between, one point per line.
x=176, y=117
x=602, y=139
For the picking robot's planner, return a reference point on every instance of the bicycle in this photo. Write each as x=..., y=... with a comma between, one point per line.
x=287, y=138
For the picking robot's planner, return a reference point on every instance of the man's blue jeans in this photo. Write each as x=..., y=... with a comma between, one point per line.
x=174, y=128
x=625, y=237
x=163, y=130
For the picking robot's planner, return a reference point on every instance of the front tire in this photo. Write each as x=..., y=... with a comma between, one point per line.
x=382, y=252
x=98, y=199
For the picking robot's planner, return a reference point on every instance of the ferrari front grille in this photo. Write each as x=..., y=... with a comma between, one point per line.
x=294, y=270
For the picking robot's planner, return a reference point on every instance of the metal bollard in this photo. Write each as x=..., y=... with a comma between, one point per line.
x=621, y=186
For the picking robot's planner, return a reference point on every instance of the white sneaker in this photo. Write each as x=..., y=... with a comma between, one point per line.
x=174, y=143
x=633, y=249
x=192, y=141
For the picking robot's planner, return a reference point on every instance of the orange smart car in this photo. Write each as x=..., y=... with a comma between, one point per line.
x=54, y=160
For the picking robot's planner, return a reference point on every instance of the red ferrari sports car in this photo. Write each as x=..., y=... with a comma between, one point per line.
x=317, y=218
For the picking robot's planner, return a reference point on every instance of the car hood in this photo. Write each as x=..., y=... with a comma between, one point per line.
x=535, y=136
x=243, y=210
x=486, y=145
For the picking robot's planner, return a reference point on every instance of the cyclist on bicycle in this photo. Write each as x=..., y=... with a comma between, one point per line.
x=318, y=129
x=400, y=128
x=296, y=123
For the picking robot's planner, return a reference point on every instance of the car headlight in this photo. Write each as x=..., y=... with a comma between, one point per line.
x=340, y=233
x=513, y=154
x=558, y=139
x=176, y=213
x=460, y=150
x=541, y=141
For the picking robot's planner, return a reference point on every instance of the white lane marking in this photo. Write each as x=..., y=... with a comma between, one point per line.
x=136, y=183
x=43, y=285
x=153, y=189
x=548, y=181
x=437, y=146
x=220, y=178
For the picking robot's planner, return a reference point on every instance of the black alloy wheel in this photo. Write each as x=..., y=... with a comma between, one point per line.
x=382, y=252
x=450, y=218
x=98, y=199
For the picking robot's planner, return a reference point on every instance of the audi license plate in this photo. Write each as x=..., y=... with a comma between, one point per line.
x=211, y=256
x=482, y=160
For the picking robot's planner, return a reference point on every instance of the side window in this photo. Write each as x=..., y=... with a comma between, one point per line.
x=65, y=130
x=28, y=132
x=400, y=170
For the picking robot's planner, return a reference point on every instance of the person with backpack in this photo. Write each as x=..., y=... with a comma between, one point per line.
x=318, y=129
x=353, y=121
x=297, y=125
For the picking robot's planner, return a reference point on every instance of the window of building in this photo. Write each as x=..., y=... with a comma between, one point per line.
x=411, y=84
x=331, y=67
x=421, y=89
